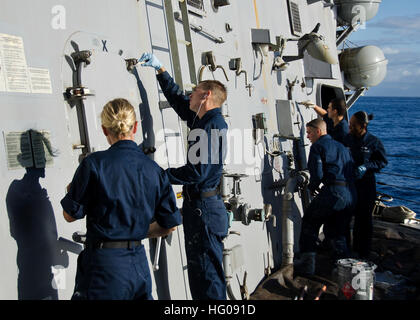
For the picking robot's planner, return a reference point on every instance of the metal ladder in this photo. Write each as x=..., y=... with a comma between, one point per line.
x=172, y=50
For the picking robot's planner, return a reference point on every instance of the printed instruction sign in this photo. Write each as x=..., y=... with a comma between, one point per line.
x=12, y=55
x=15, y=75
x=40, y=80
x=2, y=80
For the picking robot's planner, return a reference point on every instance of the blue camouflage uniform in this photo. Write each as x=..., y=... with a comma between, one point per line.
x=370, y=152
x=120, y=191
x=205, y=219
x=329, y=162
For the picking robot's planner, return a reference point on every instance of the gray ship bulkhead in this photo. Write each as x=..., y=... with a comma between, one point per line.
x=49, y=87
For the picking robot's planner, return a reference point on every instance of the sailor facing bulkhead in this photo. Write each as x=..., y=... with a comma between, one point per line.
x=329, y=163
x=205, y=219
x=120, y=191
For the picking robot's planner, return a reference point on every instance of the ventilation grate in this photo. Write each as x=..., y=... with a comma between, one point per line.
x=295, y=18
x=196, y=4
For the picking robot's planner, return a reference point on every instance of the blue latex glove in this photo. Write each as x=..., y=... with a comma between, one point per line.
x=150, y=61
x=360, y=171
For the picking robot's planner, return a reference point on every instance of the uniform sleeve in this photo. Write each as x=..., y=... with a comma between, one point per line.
x=212, y=151
x=342, y=131
x=328, y=122
x=167, y=214
x=197, y=167
x=74, y=201
x=377, y=160
x=178, y=101
x=315, y=168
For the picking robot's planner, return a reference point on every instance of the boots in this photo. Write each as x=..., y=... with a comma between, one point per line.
x=305, y=265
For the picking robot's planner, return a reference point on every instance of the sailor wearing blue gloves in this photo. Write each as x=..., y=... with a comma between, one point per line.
x=205, y=219
x=369, y=157
x=360, y=171
x=150, y=60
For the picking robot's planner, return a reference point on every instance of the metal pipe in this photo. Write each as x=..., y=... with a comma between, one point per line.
x=224, y=186
x=229, y=291
x=199, y=29
x=300, y=178
x=287, y=223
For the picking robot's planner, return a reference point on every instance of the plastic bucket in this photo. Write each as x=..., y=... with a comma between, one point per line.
x=355, y=279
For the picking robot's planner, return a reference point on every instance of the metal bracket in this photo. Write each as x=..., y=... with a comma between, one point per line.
x=220, y=3
x=350, y=101
x=290, y=85
x=149, y=150
x=131, y=63
x=77, y=93
x=79, y=237
x=209, y=60
x=343, y=35
x=200, y=29
x=81, y=56
x=286, y=137
x=235, y=64
x=303, y=42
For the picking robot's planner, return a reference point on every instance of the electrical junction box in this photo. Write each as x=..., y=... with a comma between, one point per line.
x=260, y=36
x=288, y=118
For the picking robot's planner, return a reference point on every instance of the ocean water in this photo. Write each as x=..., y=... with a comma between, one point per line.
x=397, y=123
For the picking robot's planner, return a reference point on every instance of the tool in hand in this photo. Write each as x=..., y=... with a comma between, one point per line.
x=157, y=253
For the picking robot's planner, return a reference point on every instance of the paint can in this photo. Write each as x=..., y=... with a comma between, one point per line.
x=355, y=279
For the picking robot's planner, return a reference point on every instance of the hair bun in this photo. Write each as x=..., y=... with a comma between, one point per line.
x=370, y=117
x=119, y=116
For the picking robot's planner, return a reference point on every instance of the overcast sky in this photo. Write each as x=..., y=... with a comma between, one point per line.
x=396, y=30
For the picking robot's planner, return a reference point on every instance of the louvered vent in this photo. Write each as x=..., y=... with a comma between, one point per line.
x=295, y=18
x=196, y=4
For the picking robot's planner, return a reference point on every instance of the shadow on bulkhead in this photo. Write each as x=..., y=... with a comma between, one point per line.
x=33, y=225
x=148, y=144
x=273, y=195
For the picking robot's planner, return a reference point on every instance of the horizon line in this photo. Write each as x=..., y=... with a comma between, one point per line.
x=390, y=97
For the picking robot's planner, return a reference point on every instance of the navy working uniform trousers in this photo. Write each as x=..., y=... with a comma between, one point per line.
x=330, y=163
x=370, y=152
x=205, y=218
x=120, y=191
